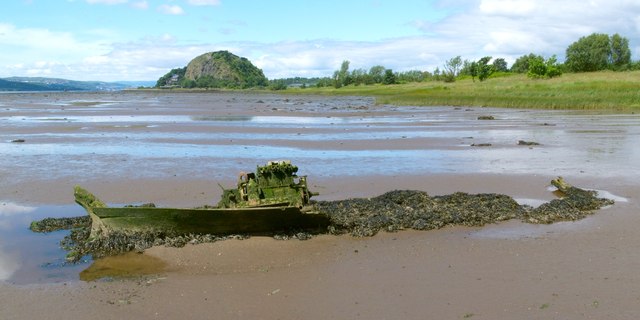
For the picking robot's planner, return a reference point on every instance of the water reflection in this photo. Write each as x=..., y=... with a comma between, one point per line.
x=27, y=257
x=8, y=265
x=9, y=208
x=131, y=264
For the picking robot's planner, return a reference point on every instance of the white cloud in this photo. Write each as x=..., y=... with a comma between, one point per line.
x=322, y=57
x=10, y=208
x=507, y=7
x=21, y=45
x=511, y=28
x=34, y=37
x=171, y=9
x=204, y=2
x=8, y=265
x=140, y=5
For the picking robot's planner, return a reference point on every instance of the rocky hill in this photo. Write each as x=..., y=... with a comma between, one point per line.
x=220, y=69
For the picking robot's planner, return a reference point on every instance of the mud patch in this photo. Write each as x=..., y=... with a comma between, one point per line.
x=128, y=265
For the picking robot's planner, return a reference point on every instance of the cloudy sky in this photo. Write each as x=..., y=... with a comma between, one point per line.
x=112, y=40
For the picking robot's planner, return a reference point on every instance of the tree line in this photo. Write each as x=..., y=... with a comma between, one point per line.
x=595, y=52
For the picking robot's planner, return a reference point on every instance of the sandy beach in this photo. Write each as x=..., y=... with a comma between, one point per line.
x=173, y=148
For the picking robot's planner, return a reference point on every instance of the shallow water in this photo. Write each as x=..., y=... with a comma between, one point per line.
x=27, y=257
x=215, y=133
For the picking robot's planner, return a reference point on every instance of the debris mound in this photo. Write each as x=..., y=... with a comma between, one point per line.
x=79, y=243
x=403, y=209
x=574, y=204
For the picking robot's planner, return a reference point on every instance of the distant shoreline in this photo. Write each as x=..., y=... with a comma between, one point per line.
x=603, y=91
x=597, y=91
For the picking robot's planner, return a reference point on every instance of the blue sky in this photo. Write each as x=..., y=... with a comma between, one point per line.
x=114, y=40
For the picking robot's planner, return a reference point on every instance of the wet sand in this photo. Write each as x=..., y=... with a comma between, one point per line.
x=571, y=270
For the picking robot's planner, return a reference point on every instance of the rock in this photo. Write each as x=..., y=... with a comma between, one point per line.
x=224, y=69
x=527, y=143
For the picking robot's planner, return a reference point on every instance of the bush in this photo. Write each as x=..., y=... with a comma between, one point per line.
x=389, y=77
x=539, y=68
x=277, y=85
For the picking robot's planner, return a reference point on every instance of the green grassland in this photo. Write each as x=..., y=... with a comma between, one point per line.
x=606, y=90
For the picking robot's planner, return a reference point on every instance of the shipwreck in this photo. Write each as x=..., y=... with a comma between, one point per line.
x=272, y=199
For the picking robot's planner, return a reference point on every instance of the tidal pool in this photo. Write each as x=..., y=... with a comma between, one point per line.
x=27, y=257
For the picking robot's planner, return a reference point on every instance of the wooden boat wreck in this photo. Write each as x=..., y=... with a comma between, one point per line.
x=273, y=199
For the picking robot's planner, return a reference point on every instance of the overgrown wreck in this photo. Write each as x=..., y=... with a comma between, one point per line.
x=273, y=199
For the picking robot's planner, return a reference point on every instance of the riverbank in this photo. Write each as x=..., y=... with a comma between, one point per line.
x=598, y=91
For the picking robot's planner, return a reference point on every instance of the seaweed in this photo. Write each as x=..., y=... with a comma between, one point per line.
x=410, y=209
x=55, y=224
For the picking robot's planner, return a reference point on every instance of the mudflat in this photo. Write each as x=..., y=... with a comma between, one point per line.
x=173, y=148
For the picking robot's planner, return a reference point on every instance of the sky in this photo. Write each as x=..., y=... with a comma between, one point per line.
x=134, y=40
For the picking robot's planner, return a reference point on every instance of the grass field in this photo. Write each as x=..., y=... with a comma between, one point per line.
x=614, y=91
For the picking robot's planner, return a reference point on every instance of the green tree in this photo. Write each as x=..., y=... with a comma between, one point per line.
x=554, y=69
x=451, y=69
x=324, y=82
x=473, y=70
x=377, y=73
x=389, y=77
x=437, y=74
x=360, y=76
x=620, y=54
x=522, y=64
x=172, y=78
x=500, y=65
x=427, y=76
x=591, y=53
x=188, y=83
x=341, y=77
x=410, y=76
x=484, y=69
x=337, y=83
x=539, y=68
x=466, y=68
x=278, y=84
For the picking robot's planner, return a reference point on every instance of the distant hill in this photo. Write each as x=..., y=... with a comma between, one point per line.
x=220, y=69
x=55, y=84
x=6, y=85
